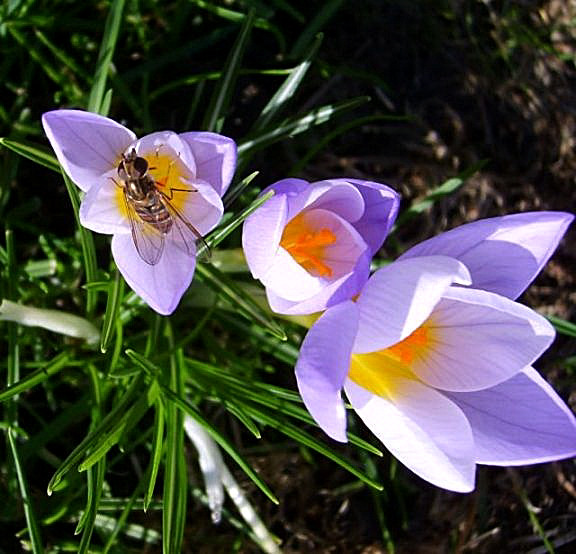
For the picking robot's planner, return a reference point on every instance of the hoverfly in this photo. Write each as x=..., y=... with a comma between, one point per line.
x=151, y=213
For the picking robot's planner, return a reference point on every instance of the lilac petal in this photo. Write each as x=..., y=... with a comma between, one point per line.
x=261, y=234
x=290, y=280
x=87, y=145
x=169, y=144
x=215, y=157
x=427, y=432
x=398, y=298
x=478, y=339
x=503, y=254
x=344, y=288
x=162, y=285
x=323, y=365
x=202, y=208
x=381, y=208
x=291, y=187
x=336, y=195
x=521, y=421
x=102, y=210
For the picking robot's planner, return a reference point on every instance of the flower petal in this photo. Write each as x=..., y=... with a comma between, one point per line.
x=323, y=364
x=215, y=157
x=336, y=195
x=344, y=288
x=381, y=208
x=503, y=254
x=202, y=208
x=521, y=421
x=162, y=285
x=87, y=145
x=478, y=339
x=426, y=431
x=261, y=234
x=166, y=143
x=290, y=280
x=101, y=210
x=399, y=297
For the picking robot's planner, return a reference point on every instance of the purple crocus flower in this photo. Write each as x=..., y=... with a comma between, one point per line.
x=156, y=195
x=441, y=371
x=311, y=244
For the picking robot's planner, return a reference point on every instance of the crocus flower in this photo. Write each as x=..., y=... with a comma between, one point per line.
x=441, y=371
x=311, y=244
x=154, y=237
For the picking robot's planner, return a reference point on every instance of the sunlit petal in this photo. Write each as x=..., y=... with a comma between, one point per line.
x=426, y=431
x=161, y=285
x=87, y=145
x=323, y=364
x=477, y=339
x=399, y=297
x=503, y=254
x=520, y=421
x=215, y=157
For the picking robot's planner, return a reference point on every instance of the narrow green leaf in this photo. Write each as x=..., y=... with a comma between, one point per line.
x=175, y=481
x=232, y=293
x=187, y=408
x=445, y=189
x=156, y=452
x=296, y=125
x=243, y=417
x=35, y=152
x=29, y=513
x=220, y=99
x=107, y=426
x=304, y=438
x=323, y=15
x=115, y=294
x=220, y=234
x=286, y=91
x=36, y=377
x=112, y=28
x=561, y=325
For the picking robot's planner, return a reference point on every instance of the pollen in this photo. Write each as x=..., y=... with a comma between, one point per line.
x=378, y=371
x=308, y=245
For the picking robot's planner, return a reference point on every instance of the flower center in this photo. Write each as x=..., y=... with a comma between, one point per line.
x=378, y=371
x=308, y=245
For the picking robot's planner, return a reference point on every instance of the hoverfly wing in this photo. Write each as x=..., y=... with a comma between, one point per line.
x=185, y=235
x=148, y=241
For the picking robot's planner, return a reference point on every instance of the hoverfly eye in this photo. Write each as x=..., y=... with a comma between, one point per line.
x=141, y=165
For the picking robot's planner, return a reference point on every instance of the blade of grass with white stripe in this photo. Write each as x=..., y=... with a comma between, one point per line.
x=215, y=114
x=286, y=91
x=107, y=47
x=157, y=449
x=115, y=295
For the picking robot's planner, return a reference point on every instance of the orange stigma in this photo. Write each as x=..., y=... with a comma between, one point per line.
x=306, y=245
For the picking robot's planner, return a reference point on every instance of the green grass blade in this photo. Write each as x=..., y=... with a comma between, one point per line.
x=108, y=425
x=187, y=408
x=232, y=293
x=29, y=514
x=296, y=125
x=323, y=15
x=87, y=244
x=286, y=91
x=304, y=438
x=34, y=152
x=561, y=325
x=445, y=189
x=115, y=294
x=221, y=96
x=175, y=478
x=220, y=234
x=156, y=453
x=243, y=417
x=36, y=377
x=112, y=28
